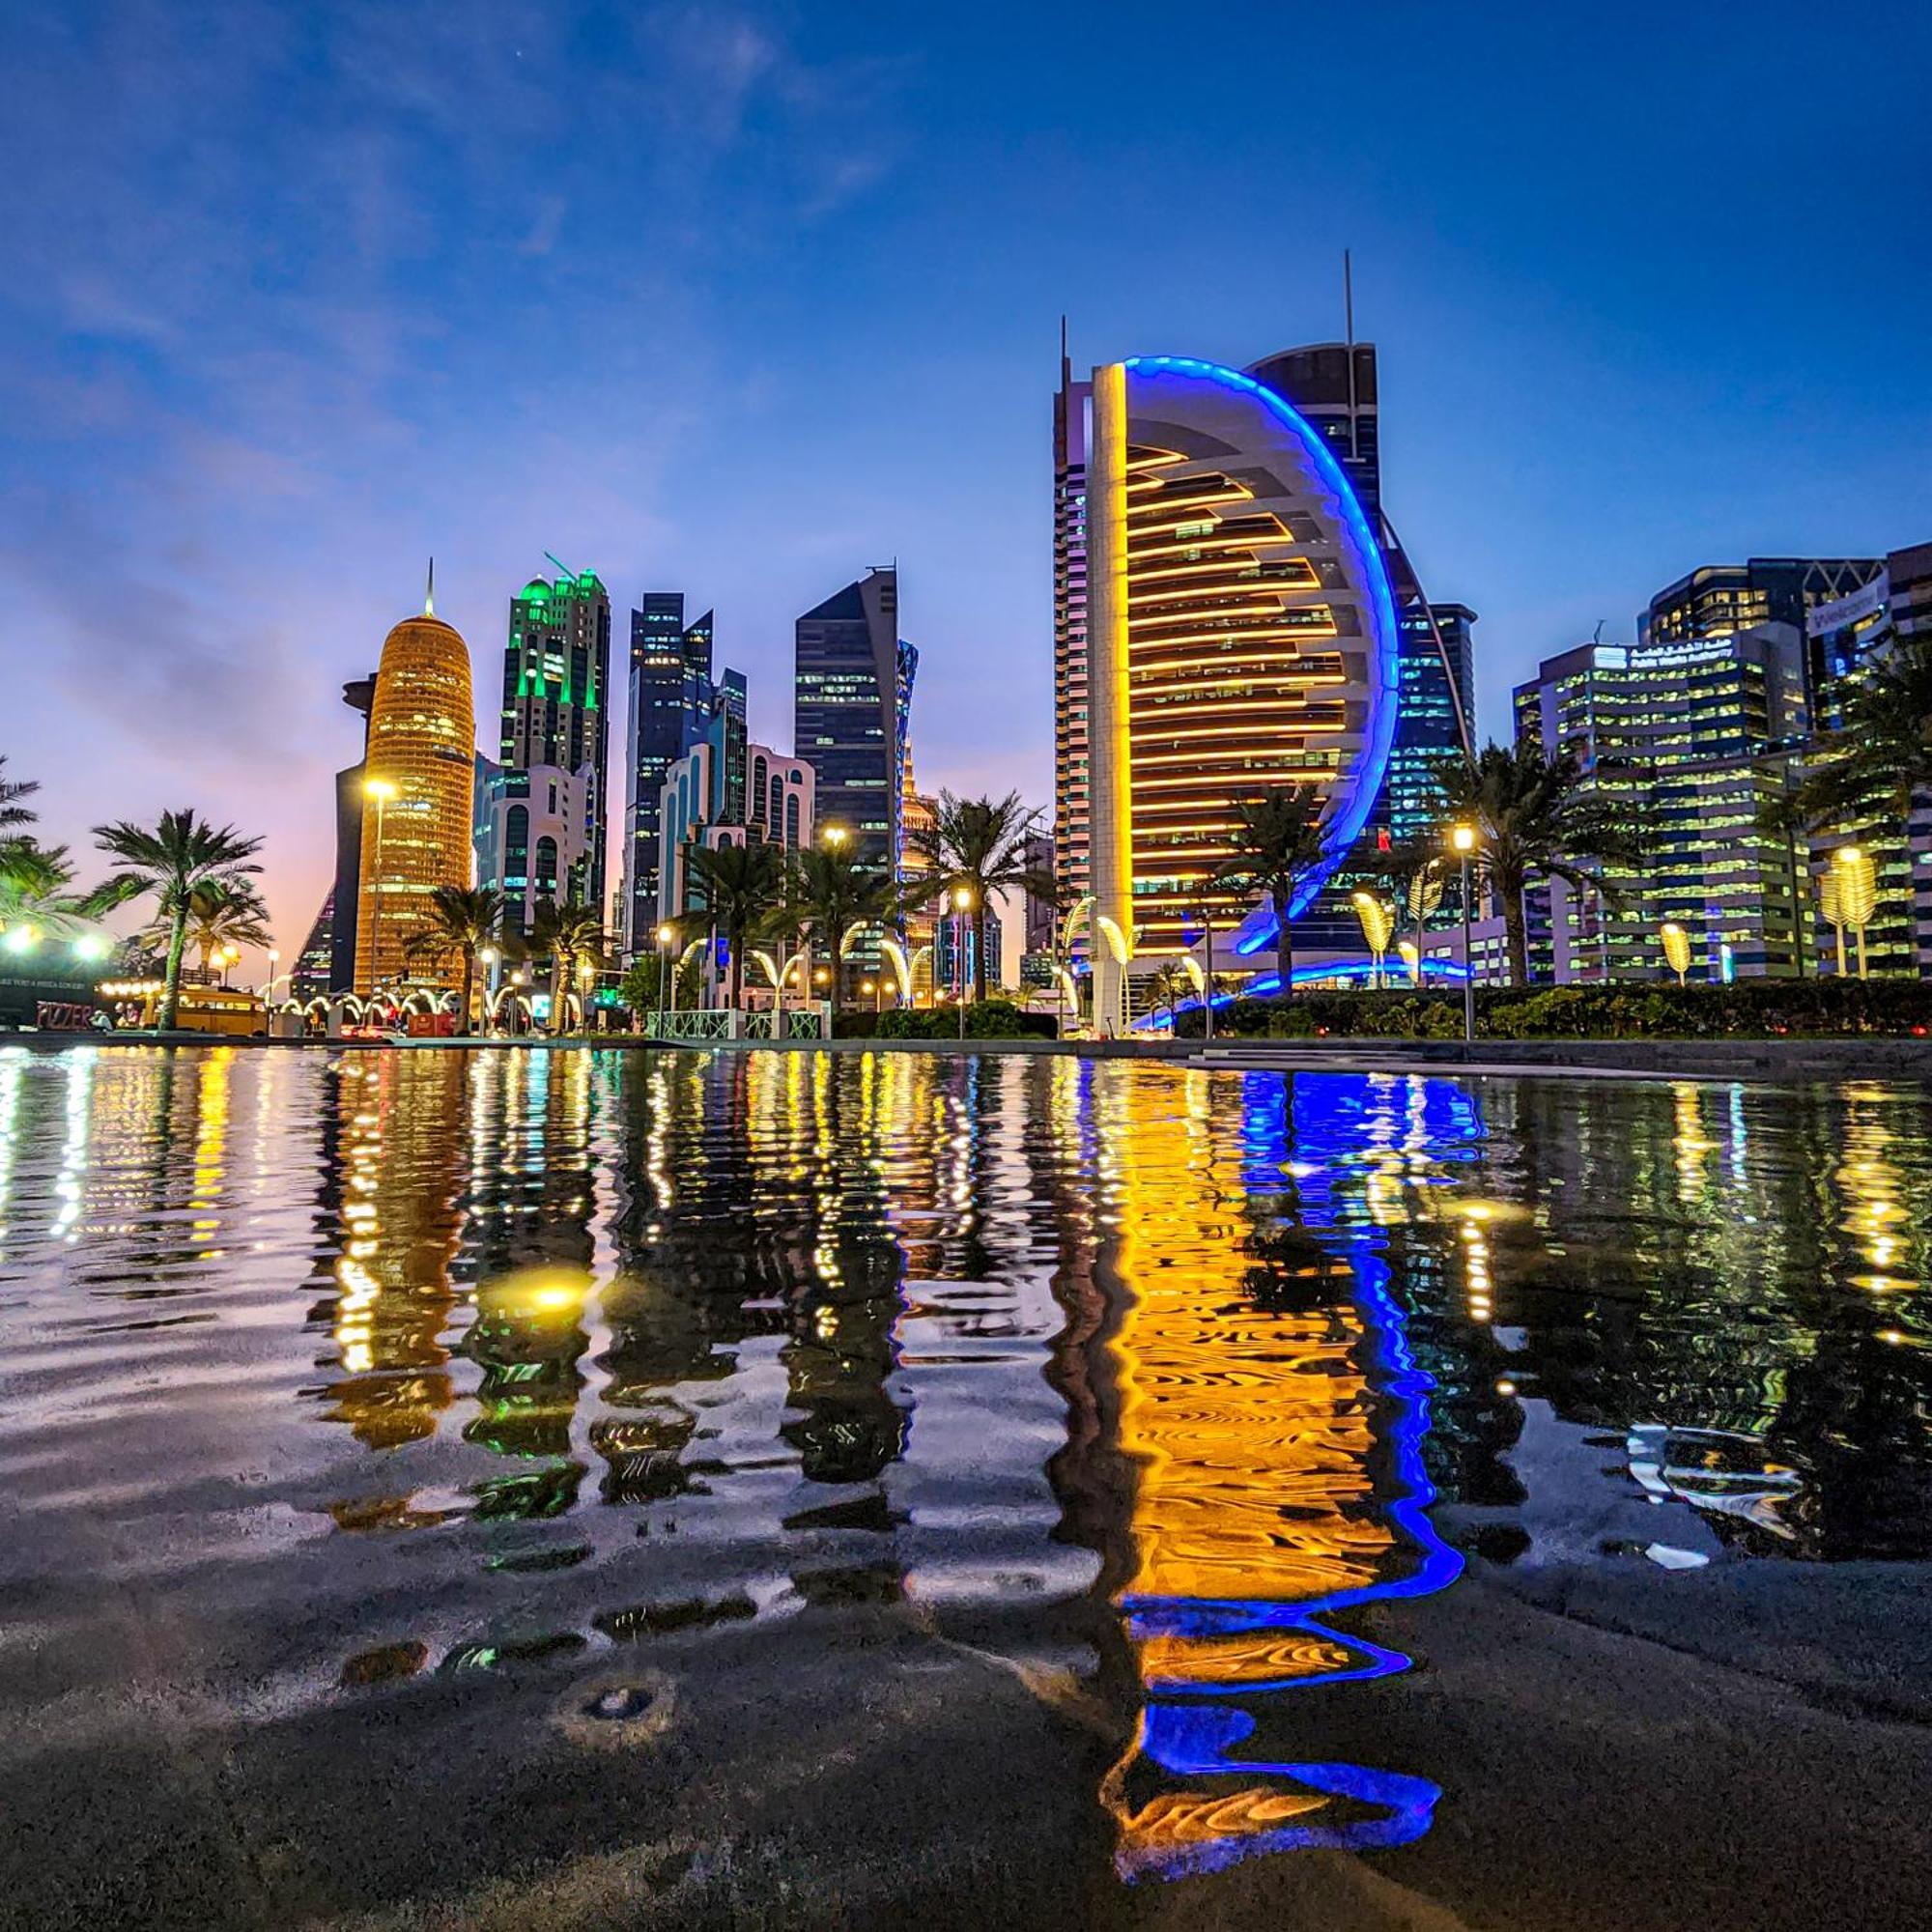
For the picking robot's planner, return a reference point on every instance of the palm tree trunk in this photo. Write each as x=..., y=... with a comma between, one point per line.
x=1283, y=959
x=980, y=948
x=468, y=990
x=1515, y=933
x=171, y=983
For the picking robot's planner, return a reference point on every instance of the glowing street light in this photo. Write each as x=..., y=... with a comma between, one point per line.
x=1462, y=842
x=962, y=904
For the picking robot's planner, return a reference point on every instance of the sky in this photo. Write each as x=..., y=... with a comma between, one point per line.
x=739, y=300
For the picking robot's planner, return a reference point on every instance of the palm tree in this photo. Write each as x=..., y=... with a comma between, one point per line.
x=34, y=887
x=12, y=791
x=833, y=893
x=170, y=859
x=1880, y=759
x=739, y=887
x=220, y=913
x=565, y=934
x=464, y=920
x=980, y=845
x=1168, y=988
x=1278, y=842
x=1533, y=820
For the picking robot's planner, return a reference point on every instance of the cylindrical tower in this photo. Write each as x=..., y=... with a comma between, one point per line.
x=417, y=799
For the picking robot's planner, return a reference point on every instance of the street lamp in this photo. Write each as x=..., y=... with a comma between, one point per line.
x=667, y=939
x=962, y=902
x=1463, y=840
x=268, y=991
x=382, y=791
x=228, y=955
x=834, y=835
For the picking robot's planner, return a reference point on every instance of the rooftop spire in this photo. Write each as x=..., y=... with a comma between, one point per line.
x=429, y=591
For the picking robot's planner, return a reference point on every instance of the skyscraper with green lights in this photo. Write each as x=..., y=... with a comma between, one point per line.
x=556, y=679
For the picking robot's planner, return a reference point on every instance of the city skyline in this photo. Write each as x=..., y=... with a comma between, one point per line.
x=242, y=415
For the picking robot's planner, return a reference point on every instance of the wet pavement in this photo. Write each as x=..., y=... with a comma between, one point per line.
x=512, y=1489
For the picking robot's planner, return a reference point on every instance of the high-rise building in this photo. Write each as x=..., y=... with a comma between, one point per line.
x=1719, y=600
x=673, y=699
x=851, y=701
x=417, y=797
x=1331, y=387
x=556, y=677
x=1041, y=925
x=534, y=832
x=1241, y=634
x=327, y=963
x=1072, y=424
x=1691, y=740
x=774, y=804
x=1846, y=637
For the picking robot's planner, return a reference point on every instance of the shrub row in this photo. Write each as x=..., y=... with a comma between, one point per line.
x=1746, y=1009
x=987, y=1019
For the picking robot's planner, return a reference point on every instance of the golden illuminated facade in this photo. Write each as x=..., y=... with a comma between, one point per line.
x=417, y=797
x=1240, y=634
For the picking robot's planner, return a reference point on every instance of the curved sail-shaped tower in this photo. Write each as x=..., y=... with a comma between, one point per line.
x=1241, y=634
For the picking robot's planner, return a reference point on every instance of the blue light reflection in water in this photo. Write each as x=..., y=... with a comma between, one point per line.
x=1343, y=1130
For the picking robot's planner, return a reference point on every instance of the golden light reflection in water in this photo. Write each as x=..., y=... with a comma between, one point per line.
x=1251, y=1430
x=398, y=1147
x=1873, y=1211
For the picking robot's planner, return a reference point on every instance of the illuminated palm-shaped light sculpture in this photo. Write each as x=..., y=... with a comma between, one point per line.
x=1676, y=948
x=1424, y=895
x=1377, y=917
x=1119, y=948
x=1857, y=878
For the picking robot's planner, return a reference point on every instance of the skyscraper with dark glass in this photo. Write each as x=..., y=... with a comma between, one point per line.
x=557, y=678
x=674, y=702
x=851, y=699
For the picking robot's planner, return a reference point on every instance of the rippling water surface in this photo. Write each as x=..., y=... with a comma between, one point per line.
x=422, y=1471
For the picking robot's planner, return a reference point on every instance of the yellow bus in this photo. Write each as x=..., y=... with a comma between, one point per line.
x=214, y=1009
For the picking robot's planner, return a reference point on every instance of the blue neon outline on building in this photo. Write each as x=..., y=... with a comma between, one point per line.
x=1356, y=792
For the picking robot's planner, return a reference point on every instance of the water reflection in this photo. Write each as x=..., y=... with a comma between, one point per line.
x=1182, y=1394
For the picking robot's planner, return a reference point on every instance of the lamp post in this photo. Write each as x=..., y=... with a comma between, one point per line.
x=962, y=902
x=268, y=991
x=490, y=955
x=666, y=971
x=382, y=790
x=1464, y=839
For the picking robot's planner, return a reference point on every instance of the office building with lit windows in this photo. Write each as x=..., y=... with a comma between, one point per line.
x=1846, y=639
x=1692, y=740
x=416, y=798
x=702, y=805
x=1719, y=600
x=535, y=828
x=556, y=677
x=851, y=702
x=1241, y=633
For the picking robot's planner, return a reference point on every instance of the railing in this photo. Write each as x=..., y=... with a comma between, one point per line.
x=810, y=1022
x=698, y=1023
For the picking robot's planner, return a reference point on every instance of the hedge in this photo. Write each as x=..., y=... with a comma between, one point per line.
x=986, y=1019
x=1756, y=1009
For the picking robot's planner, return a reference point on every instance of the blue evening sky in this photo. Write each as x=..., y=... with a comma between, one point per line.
x=740, y=298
